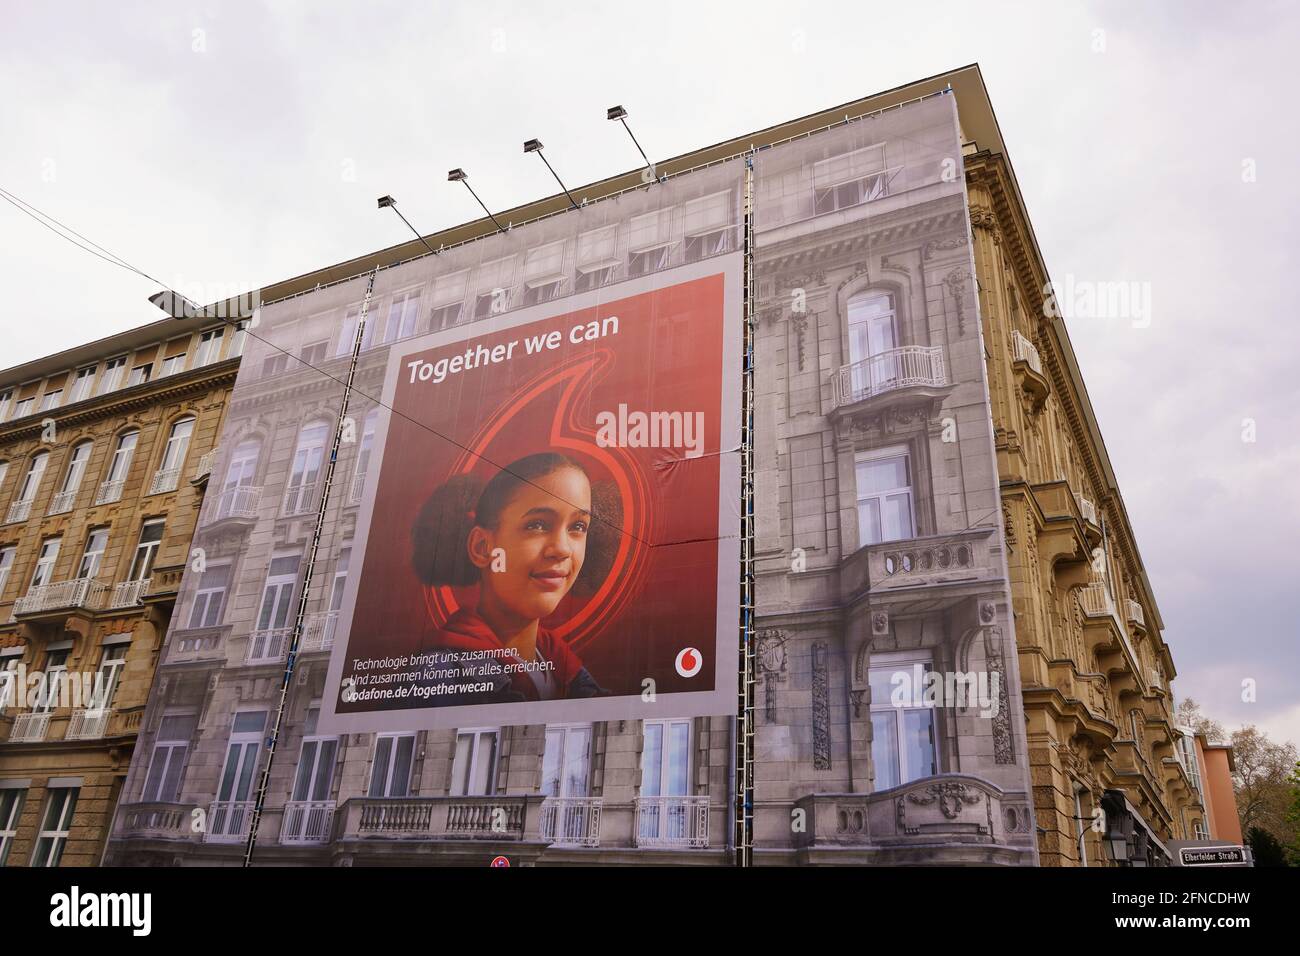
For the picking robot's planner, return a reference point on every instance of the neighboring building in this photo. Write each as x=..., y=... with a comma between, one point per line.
x=932, y=495
x=1215, y=764
x=104, y=454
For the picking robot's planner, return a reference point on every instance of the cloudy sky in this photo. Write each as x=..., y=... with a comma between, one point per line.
x=223, y=146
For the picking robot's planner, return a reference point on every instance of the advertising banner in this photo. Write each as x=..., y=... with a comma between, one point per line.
x=552, y=531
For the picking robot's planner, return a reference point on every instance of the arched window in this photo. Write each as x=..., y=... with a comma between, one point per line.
x=77, y=463
x=119, y=466
x=167, y=477
x=873, y=337
x=242, y=469
x=304, y=472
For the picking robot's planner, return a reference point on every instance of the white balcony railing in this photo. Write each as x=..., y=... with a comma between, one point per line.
x=1135, y=613
x=307, y=822
x=19, y=511
x=318, y=631
x=356, y=488
x=241, y=501
x=299, y=499
x=1086, y=508
x=30, y=728
x=228, y=821
x=164, y=480
x=109, y=491
x=128, y=593
x=1096, y=601
x=905, y=367
x=268, y=645
x=204, y=467
x=1026, y=351
x=672, y=822
x=571, y=821
x=62, y=502
x=88, y=724
x=78, y=593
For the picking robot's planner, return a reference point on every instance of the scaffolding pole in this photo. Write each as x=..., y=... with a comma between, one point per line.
x=744, y=756
x=340, y=427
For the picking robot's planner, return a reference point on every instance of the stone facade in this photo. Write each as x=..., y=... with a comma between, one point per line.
x=63, y=759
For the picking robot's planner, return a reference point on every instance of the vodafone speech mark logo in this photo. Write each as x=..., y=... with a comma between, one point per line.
x=689, y=661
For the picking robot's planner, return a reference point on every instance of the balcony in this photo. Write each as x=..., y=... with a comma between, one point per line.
x=204, y=468
x=1098, y=606
x=228, y=821
x=128, y=594
x=88, y=724
x=156, y=821
x=299, y=499
x=905, y=567
x=571, y=821
x=1025, y=351
x=907, y=367
x=356, y=488
x=164, y=480
x=949, y=818
x=110, y=491
x=307, y=822
x=193, y=646
x=29, y=728
x=1136, y=616
x=672, y=822
x=62, y=502
x=84, y=594
x=495, y=818
x=238, y=503
x=1086, y=508
x=19, y=511
x=318, y=631
x=268, y=646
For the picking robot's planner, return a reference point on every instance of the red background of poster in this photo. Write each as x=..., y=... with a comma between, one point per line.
x=662, y=593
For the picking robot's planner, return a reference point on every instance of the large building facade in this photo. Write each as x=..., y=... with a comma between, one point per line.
x=104, y=456
x=933, y=509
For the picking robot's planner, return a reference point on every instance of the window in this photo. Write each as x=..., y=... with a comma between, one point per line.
x=91, y=557
x=140, y=374
x=277, y=593
x=1198, y=832
x=315, y=353
x=403, y=314
x=25, y=406
x=83, y=385
x=1187, y=753
x=51, y=400
x=175, y=362
x=239, y=339
x=566, y=762
x=597, y=248
x=163, y=782
x=340, y=582
x=243, y=464
x=32, y=480
x=348, y=335
x=300, y=492
x=118, y=469
x=4, y=470
x=45, y=562
x=108, y=677
x=11, y=808
x=48, y=693
x=851, y=179
x=390, y=774
x=1080, y=824
x=444, y=317
x=707, y=224
x=543, y=292
x=114, y=369
x=274, y=364
x=543, y=273
x=902, y=738
x=884, y=497
x=178, y=442
x=6, y=401
x=146, y=549
x=473, y=771
x=210, y=598
x=665, y=774
x=315, y=774
x=708, y=244
x=8, y=681
x=595, y=277
x=77, y=462
x=491, y=303
x=6, y=565
x=209, y=347
x=231, y=813
x=56, y=824
x=367, y=442
x=647, y=261
x=875, y=366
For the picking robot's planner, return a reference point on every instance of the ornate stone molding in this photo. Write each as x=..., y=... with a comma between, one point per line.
x=821, y=707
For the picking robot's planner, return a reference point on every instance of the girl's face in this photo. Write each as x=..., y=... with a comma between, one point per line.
x=533, y=556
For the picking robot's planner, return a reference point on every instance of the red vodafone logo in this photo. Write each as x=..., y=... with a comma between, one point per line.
x=689, y=661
